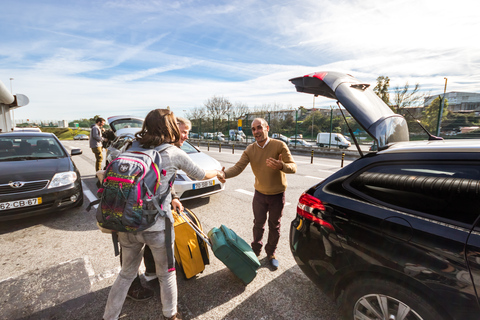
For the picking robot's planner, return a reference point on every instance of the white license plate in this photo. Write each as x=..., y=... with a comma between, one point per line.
x=20, y=203
x=203, y=184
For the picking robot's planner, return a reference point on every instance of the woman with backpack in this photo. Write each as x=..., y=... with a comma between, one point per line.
x=159, y=130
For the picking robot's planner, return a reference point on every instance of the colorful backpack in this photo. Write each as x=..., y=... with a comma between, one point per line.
x=129, y=199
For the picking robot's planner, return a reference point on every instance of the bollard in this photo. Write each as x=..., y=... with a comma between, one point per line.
x=219, y=147
x=198, y=143
x=208, y=146
x=343, y=157
x=233, y=148
x=311, y=160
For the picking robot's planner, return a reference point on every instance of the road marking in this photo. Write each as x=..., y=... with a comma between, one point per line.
x=245, y=192
x=252, y=194
x=314, y=177
x=89, y=194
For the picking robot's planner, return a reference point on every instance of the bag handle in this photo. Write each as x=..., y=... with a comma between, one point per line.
x=197, y=230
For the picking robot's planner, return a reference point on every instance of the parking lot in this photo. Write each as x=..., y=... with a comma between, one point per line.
x=61, y=266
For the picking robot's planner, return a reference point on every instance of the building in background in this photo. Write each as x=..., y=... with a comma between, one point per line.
x=458, y=102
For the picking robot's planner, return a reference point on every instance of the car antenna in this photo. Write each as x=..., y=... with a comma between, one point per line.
x=350, y=131
x=430, y=136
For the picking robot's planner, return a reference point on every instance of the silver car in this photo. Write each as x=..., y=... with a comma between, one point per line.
x=185, y=187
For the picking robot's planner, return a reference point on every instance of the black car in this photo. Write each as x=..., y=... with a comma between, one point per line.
x=37, y=175
x=395, y=234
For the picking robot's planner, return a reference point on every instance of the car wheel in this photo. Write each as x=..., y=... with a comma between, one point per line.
x=383, y=299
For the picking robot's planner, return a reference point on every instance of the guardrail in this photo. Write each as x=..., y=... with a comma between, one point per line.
x=314, y=151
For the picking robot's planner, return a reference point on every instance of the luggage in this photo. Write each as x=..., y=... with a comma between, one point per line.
x=191, y=251
x=234, y=252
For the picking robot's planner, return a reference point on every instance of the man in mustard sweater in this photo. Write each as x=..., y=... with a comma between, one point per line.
x=270, y=159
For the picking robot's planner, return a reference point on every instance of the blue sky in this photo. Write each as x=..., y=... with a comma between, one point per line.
x=77, y=59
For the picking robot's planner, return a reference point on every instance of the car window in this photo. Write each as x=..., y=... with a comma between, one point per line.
x=447, y=191
x=188, y=148
x=29, y=147
x=126, y=123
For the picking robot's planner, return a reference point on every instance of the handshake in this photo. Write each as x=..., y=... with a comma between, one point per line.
x=221, y=175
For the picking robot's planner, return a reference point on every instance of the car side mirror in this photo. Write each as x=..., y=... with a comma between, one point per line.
x=76, y=152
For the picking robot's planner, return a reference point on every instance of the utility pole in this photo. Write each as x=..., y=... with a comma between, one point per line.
x=440, y=110
x=331, y=123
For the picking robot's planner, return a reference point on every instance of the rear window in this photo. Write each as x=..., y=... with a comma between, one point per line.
x=126, y=123
x=447, y=191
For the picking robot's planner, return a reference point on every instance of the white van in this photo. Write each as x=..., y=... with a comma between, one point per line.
x=335, y=140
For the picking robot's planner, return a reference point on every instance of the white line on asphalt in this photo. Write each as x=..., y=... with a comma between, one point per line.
x=315, y=177
x=245, y=192
x=89, y=194
x=252, y=194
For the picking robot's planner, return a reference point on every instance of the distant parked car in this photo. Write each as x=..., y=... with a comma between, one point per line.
x=27, y=129
x=298, y=142
x=281, y=137
x=37, y=175
x=81, y=137
x=185, y=187
x=298, y=136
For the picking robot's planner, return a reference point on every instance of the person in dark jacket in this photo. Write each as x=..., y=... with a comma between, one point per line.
x=96, y=140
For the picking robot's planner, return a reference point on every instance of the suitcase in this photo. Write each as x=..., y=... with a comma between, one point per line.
x=191, y=252
x=234, y=252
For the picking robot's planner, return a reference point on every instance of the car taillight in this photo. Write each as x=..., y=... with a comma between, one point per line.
x=307, y=205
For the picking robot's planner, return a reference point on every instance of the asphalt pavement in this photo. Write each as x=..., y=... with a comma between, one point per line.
x=60, y=266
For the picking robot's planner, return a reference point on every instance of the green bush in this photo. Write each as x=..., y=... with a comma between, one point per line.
x=65, y=133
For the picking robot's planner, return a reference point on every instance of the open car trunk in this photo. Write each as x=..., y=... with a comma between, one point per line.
x=381, y=123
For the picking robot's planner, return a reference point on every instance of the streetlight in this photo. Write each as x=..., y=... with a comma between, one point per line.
x=440, y=111
x=313, y=110
x=11, y=91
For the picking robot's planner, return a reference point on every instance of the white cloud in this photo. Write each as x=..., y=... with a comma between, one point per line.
x=131, y=56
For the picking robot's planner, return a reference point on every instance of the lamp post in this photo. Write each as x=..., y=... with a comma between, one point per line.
x=331, y=123
x=313, y=110
x=440, y=111
x=11, y=91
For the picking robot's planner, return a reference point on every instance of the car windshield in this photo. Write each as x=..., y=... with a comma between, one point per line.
x=126, y=123
x=188, y=148
x=17, y=148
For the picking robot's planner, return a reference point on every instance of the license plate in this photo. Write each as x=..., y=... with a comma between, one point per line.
x=203, y=184
x=20, y=203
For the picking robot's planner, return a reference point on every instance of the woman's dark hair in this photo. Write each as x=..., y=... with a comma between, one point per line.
x=160, y=126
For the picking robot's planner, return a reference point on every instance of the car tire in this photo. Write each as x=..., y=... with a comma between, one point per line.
x=370, y=292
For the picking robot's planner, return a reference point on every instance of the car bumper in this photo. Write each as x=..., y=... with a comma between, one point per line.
x=186, y=190
x=316, y=254
x=52, y=200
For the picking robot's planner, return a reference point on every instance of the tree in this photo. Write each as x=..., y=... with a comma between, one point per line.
x=217, y=107
x=430, y=114
x=381, y=89
x=403, y=98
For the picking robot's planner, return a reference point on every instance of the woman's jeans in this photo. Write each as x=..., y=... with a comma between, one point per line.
x=132, y=253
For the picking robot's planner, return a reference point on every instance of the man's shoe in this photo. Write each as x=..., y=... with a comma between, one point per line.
x=139, y=293
x=177, y=316
x=273, y=262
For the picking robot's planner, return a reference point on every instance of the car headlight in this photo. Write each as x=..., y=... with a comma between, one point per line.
x=62, y=179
